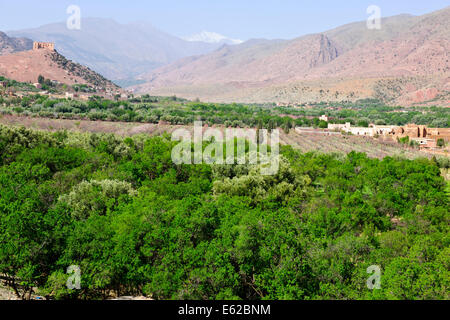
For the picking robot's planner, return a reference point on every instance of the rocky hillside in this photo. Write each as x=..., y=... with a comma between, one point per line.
x=26, y=66
x=10, y=45
x=78, y=70
x=406, y=62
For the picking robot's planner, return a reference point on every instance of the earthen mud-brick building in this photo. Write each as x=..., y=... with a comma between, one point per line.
x=43, y=45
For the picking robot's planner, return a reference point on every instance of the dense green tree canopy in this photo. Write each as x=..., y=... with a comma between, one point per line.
x=136, y=223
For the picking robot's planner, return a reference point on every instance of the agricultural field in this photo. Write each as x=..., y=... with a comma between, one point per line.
x=338, y=143
x=306, y=141
x=177, y=111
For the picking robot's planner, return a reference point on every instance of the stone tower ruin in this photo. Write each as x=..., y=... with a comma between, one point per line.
x=43, y=45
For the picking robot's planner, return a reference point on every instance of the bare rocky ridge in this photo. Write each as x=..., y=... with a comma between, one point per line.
x=406, y=62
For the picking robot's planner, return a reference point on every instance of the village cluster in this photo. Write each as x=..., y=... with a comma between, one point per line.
x=426, y=138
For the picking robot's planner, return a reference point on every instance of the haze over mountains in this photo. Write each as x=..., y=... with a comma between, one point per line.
x=117, y=51
x=10, y=45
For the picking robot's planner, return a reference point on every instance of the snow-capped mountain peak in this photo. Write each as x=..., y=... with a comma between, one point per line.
x=212, y=37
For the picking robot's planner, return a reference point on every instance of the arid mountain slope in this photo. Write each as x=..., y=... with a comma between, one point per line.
x=10, y=45
x=26, y=66
x=407, y=61
x=263, y=61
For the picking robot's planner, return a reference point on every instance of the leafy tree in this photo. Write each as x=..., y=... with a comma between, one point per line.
x=97, y=197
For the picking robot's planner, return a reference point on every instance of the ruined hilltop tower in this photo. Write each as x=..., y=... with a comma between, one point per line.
x=43, y=45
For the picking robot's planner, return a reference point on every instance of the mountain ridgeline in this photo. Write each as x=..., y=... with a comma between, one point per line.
x=405, y=62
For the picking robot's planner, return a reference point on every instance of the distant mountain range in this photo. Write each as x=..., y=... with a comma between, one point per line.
x=117, y=51
x=10, y=45
x=406, y=62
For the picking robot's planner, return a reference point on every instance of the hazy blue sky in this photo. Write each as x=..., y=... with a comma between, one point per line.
x=243, y=19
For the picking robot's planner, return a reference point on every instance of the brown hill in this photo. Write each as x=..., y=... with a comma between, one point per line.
x=26, y=66
x=407, y=62
x=10, y=45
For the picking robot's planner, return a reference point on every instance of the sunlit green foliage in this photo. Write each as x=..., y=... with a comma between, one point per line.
x=136, y=223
